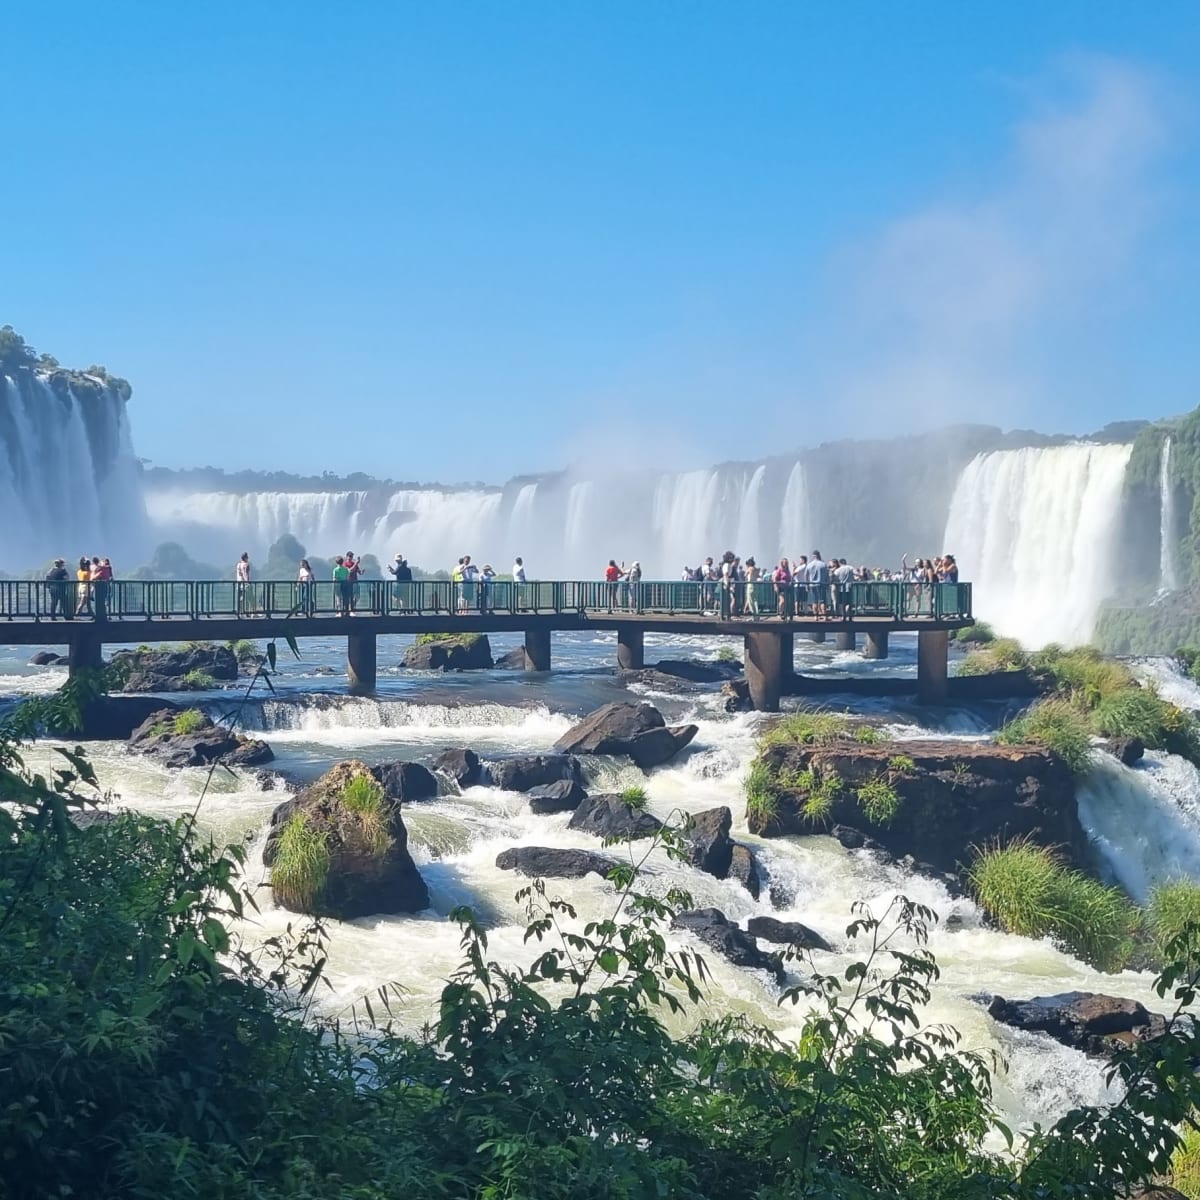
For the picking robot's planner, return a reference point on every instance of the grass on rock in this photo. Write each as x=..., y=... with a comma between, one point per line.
x=879, y=800
x=1057, y=725
x=188, y=721
x=762, y=792
x=363, y=796
x=635, y=797
x=301, y=864
x=199, y=681
x=1172, y=908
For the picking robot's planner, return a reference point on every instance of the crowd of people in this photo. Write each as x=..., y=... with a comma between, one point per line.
x=85, y=596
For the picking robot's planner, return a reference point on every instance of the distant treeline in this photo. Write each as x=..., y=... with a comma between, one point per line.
x=214, y=479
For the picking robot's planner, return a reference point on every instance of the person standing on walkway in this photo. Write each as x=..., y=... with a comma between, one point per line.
x=83, y=601
x=518, y=574
x=57, y=578
x=634, y=579
x=241, y=574
x=341, y=585
x=396, y=570
x=612, y=582
x=782, y=578
x=304, y=587
x=354, y=566
x=485, y=587
x=753, y=575
x=818, y=583
x=470, y=573
x=102, y=574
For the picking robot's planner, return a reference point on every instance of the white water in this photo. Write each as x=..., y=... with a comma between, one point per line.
x=68, y=475
x=1035, y=530
x=1167, y=550
x=1169, y=681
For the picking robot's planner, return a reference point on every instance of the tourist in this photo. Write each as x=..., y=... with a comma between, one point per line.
x=354, y=570
x=800, y=585
x=843, y=578
x=753, y=574
x=82, y=575
x=949, y=572
x=304, y=582
x=485, y=587
x=341, y=585
x=518, y=574
x=712, y=578
x=634, y=581
x=456, y=583
x=402, y=573
x=782, y=578
x=612, y=579
x=470, y=573
x=101, y=574
x=241, y=573
x=728, y=575
x=57, y=579
x=818, y=583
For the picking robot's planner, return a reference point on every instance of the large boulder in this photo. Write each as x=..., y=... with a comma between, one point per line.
x=363, y=845
x=744, y=868
x=714, y=929
x=450, y=652
x=710, y=846
x=514, y=660
x=554, y=862
x=406, y=782
x=1088, y=1021
x=179, y=670
x=563, y=795
x=1128, y=749
x=636, y=731
x=43, y=658
x=525, y=771
x=114, y=718
x=190, y=739
x=608, y=816
x=786, y=933
x=463, y=766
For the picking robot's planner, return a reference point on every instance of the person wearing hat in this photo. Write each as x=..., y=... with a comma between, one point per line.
x=485, y=587
x=633, y=580
x=57, y=579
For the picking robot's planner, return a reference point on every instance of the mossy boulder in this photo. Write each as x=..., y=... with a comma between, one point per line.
x=449, y=652
x=340, y=848
x=635, y=731
x=176, y=670
x=190, y=739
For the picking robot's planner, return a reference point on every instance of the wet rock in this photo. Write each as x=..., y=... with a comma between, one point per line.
x=463, y=766
x=1088, y=1021
x=714, y=929
x=514, y=660
x=114, y=718
x=635, y=731
x=708, y=836
x=696, y=670
x=43, y=658
x=608, y=816
x=522, y=772
x=369, y=867
x=168, y=670
x=450, y=652
x=563, y=795
x=744, y=868
x=786, y=933
x=406, y=782
x=157, y=738
x=88, y=818
x=553, y=862
x=1128, y=749
x=323, y=670
x=854, y=839
x=737, y=695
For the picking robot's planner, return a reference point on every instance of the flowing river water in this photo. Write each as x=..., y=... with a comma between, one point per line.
x=1144, y=823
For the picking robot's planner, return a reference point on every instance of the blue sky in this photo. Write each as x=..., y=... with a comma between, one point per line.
x=464, y=241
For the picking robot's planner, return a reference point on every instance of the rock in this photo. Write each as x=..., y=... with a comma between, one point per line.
x=1153, y=1191
x=406, y=782
x=563, y=795
x=786, y=933
x=167, y=670
x=714, y=929
x=43, y=658
x=114, y=718
x=157, y=738
x=450, y=652
x=61, y=660
x=463, y=766
x=636, y=731
x=1087, y=1021
x=323, y=670
x=744, y=868
x=370, y=869
x=609, y=816
x=1128, y=749
x=526, y=771
x=737, y=695
x=854, y=839
x=88, y=818
x=711, y=845
x=553, y=862
x=695, y=670
x=514, y=660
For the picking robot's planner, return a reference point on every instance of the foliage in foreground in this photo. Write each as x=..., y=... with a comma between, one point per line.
x=1059, y=726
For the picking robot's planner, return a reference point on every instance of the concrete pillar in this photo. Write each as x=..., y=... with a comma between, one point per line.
x=360, y=663
x=877, y=644
x=846, y=641
x=85, y=651
x=933, y=653
x=631, y=648
x=787, y=654
x=537, y=649
x=817, y=635
x=764, y=670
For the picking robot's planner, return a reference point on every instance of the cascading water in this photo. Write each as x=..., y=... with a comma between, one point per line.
x=1167, y=570
x=1035, y=530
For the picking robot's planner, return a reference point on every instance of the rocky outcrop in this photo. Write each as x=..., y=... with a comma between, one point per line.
x=450, y=652
x=525, y=771
x=562, y=796
x=176, y=670
x=1089, y=1021
x=786, y=933
x=711, y=847
x=635, y=731
x=553, y=862
x=949, y=796
x=713, y=928
x=744, y=868
x=1128, y=749
x=514, y=660
x=114, y=718
x=608, y=816
x=48, y=658
x=181, y=739
x=682, y=674
x=406, y=782
x=368, y=868
x=463, y=766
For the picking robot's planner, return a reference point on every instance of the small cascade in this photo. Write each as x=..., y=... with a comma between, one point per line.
x=1168, y=571
x=795, y=521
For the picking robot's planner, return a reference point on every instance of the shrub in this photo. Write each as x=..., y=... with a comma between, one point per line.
x=727, y=654
x=867, y=735
x=363, y=796
x=1184, y=1175
x=1059, y=726
x=245, y=651
x=635, y=797
x=1134, y=712
x=762, y=792
x=979, y=634
x=199, y=681
x=1030, y=892
x=901, y=764
x=879, y=801
x=1172, y=907
x=998, y=654
x=301, y=864
x=818, y=806
x=463, y=639
x=189, y=721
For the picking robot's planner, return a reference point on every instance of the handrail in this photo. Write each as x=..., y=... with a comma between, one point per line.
x=152, y=600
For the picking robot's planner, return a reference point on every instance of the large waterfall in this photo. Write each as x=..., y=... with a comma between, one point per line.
x=1168, y=572
x=1036, y=531
x=68, y=477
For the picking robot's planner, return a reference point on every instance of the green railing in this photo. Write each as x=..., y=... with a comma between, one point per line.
x=199, y=599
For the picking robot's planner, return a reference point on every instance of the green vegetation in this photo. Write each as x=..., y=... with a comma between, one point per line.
x=1172, y=908
x=762, y=792
x=1029, y=891
x=818, y=804
x=879, y=800
x=1059, y=726
x=978, y=634
x=998, y=654
x=901, y=764
x=199, y=681
x=1184, y=1174
x=635, y=797
x=188, y=721
x=816, y=728
x=301, y=864
x=464, y=639
x=363, y=796
x=727, y=654
x=245, y=651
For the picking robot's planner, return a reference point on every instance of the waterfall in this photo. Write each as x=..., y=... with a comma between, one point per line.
x=1036, y=530
x=795, y=517
x=1167, y=570
x=68, y=475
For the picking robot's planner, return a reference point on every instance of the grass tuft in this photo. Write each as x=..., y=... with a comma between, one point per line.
x=879, y=800
x=199, y=681
x=188, y=721
x=1059, y=726
x=727, y=654
x=1172, y=909
x=762, y=793
x=635, y=797
x=363, y=796
x=301, y=865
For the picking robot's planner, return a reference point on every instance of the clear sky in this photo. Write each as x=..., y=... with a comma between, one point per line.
x=464, y=241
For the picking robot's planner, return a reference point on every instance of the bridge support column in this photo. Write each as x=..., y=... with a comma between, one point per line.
x=537, y=649
x=787, y=657
x=764, y=670
x=933, y=653
x=846, y=641
x=817, y=635
x=360, y=663
x=631, y=648
x=877, y=644
x=85, y=652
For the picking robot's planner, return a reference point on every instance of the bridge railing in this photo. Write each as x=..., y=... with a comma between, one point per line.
x=198, y=599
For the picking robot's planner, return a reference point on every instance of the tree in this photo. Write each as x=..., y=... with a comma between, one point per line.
x=283, y=558
x=14, y=350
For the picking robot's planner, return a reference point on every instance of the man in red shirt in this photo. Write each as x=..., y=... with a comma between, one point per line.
x=612, y=576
